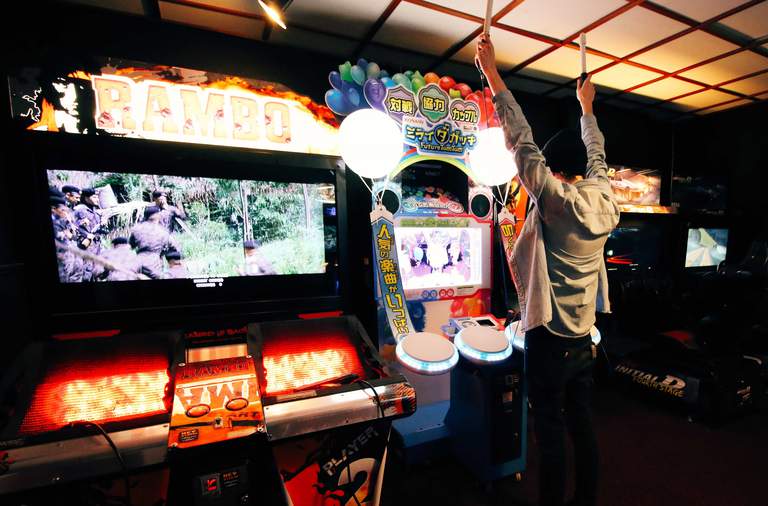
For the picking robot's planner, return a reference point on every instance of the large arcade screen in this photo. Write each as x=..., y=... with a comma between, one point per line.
x=117, y=226
x=706, y=247
x=633, y=249
x=635, y=186
x=439, y=257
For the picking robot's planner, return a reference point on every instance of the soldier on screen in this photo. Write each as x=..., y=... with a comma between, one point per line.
x=255, y=263
x=90, y=228
x=69, y=265
x=168, y=214
x=123, y=258
x=176, y=267
x=71, y=194
x=151, y=241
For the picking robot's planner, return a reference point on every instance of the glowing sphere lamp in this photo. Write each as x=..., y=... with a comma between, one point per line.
x=371, y=143
x=490, y=160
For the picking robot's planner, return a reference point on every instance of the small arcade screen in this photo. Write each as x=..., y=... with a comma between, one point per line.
x=439, y=257
x=633, y=249
x=116, y=226
x=706, y=247
x=635, y=186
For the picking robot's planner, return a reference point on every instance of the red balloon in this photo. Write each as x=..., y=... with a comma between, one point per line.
x=463, y=88
x=447, y=82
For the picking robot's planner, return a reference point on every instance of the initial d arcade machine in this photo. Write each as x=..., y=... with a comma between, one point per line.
x=433, y=229
x=191, y=346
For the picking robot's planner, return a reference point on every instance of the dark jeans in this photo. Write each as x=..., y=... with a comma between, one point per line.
x=560, y=387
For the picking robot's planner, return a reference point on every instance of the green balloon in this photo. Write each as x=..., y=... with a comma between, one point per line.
x=417, y=74
x=417, y=82
x=408, y=73
x=345, y=69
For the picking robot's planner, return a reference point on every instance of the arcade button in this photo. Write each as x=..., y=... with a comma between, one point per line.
x=483, y=345
x=426, y=353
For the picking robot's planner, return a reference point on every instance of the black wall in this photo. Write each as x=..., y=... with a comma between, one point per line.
x=734, y=144
x=66, y=34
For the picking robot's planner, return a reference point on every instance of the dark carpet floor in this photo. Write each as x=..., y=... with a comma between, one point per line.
x=650, y=456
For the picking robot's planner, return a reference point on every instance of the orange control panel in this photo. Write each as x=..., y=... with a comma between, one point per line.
x=214, y=401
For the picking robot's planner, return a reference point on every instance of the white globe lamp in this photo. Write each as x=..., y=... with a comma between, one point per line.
x=490, y=160
x=371, y=143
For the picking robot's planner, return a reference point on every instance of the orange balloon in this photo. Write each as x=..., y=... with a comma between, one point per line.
x=431, y=77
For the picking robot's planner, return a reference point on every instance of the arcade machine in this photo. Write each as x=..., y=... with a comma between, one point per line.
x=191, y=339
x=443, y=215
x=688, y=355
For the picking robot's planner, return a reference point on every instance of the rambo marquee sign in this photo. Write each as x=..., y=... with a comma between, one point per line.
x=129, y=99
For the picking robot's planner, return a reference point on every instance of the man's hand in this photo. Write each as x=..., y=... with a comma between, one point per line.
x=585, y=92
x=485, y=55
x=485, y=60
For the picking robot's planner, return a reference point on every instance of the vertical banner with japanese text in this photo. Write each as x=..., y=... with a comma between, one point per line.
x=388, y=273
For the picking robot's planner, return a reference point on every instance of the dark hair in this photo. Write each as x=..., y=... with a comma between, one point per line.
x=87, y=192
x=119, y=240
x=565, y=153
x=251, y=244
x=173, y=255
x=68, y=188
x=158, y=193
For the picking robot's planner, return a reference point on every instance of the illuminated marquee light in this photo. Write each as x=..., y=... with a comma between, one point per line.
x=298, y=370
x=219, y=114
x=96, y=399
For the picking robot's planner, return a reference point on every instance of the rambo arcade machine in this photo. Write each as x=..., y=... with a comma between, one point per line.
x=216, y=388
x=433, y=240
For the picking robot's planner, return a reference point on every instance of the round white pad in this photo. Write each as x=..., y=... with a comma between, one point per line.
x=427, y=347
x=484, y=339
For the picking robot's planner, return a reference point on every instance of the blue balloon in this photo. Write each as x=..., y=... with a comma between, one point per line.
x=383, y=73
x=388, y=82
x=362, y=63
x=374, y=92
x=336, y=102
x=335, y=79
x=354, y=97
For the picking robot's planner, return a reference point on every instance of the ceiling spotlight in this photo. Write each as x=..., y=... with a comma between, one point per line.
x=273, y=14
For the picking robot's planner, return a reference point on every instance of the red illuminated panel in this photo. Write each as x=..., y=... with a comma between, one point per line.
x=294, y=362
x=89, y=389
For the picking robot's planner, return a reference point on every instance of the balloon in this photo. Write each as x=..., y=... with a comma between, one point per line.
x=335, y=101
x=335, y=79
x=417, y=83
x=388, y=82
x=372, y=71
x=371, y=143
x=431, y=77
x=353, y=96
x=362, y=63
x=408, y=73
x=490, y=160
x=417, y=74
x=374, y=92
x=345, y=70
x=402, y=80
x=383, y=73
x=358, y=74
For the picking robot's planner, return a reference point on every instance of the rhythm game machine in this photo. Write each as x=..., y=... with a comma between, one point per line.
x=438, y=260
x=192, y=345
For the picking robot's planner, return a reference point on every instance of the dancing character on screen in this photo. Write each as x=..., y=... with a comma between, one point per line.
x=255, y=263
x=122, y=263
x=70, y=266
x=176, y=267
x=91, y=227
x=561, y=279
x=71, y=194
x=168, y=214
x=151, y=241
